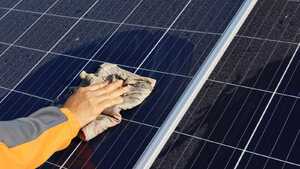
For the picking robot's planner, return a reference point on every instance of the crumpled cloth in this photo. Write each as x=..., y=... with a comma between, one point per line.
x=139, y=88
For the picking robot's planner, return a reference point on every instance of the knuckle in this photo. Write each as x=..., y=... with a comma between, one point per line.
x=81, y=89
x=87, y=94
x=108, y=95
x=110, y=87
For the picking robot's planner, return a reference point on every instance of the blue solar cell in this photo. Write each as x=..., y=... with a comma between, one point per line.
x=118, y=148
x=35, y=5
x=252, y=161
x=3, y=47
x=14, y=24
x=15, y=63
x=8, y=3
x=3, y=92
x=17, y=105
x=86, y=38
x=130, y=45
x=225, y=114
x=254, y=63
x=208, y=15
x=181, y=52
x=73, y=8
x=46, y=32
x=182, y=151
x=291, y=82
x=51, y=76
x=278, y=133
x=2, y=12
x=113, y=10
x=157, y=13
x=278, y=20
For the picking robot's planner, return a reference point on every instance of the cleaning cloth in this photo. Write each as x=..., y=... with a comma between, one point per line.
x=139, y=88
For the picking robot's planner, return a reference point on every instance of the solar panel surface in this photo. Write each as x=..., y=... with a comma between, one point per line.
x=45, y=45
x=245, y=116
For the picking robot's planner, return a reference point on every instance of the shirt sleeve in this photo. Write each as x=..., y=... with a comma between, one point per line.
x=26, y=143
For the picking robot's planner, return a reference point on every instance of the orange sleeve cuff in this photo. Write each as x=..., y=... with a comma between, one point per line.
x=72, y=120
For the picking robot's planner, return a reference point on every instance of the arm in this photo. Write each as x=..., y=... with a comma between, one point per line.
x=29, y=142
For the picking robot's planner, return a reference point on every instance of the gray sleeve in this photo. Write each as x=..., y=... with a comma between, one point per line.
x=22, y=130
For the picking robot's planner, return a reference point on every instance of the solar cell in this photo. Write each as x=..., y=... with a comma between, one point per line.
x=252, y=161
x=51, y=75
x=85, y=39
x=248, y=63
x=186, y=154
x=15, y=62
x=276, y=20
x=168, y=55
x=34, y=5
x=74, y=8
x=2, y=12
x=278, y=135
x=129, y=45
x=14, y=24
x=211, y=16
x=291, y=81
x=120, y=147
x=157, y=13
x=3, y=92
x=46, y=32
x=114, y=10
x=10, y=3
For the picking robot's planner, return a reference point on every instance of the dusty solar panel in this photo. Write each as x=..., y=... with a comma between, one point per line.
x=45, y=45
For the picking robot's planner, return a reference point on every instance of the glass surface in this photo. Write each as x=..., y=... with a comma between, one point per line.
x=14, y=24
x=216, y=127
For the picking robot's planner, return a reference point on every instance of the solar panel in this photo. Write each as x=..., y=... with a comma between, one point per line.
x=245, y=115
x=44, y=45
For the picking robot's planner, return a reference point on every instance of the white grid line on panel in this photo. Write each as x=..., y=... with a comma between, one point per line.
x=56, y=165
x=19, y=37
x=151, y=70
x=266, y=108
x=178, y=132
x=9, y=10
x=147, y=26
x=215, y=81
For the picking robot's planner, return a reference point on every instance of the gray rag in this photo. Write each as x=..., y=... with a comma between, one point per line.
x=139, y=88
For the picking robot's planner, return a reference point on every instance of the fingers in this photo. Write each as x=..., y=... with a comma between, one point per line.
x=109, y=88
x=110, y=102
x=114, y=94
x=96, y=86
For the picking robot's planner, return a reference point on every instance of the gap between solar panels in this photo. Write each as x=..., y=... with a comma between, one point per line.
x=168, y=127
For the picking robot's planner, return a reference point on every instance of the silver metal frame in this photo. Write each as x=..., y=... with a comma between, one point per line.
x=165, y=131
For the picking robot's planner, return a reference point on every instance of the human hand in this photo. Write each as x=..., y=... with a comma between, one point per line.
x=88, y=102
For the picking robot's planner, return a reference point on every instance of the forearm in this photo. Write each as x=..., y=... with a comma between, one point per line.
x=29, y=142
